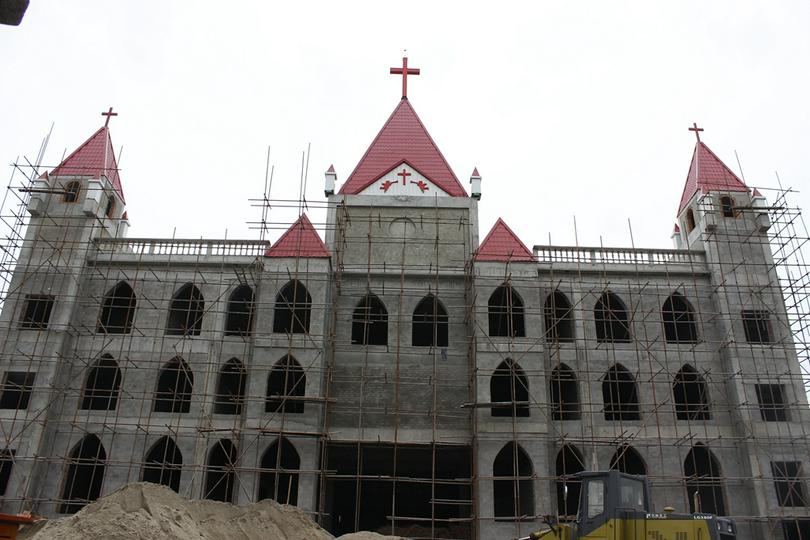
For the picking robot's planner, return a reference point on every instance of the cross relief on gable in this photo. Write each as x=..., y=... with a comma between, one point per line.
x=404, y=180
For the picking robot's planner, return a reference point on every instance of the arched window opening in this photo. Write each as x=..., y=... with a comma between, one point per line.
x=506, y=313
x=85, y=475
x=117, y=310
x=569, y=463
x=429, y=326
x=220, y=474
x=6, y=464
x=239, y=321
x=564, y=391
x=620, y=394
x=691, y=395
x=293, y=309
x=704, y=478
x=513, y=487
x=102, y=385
x=509, y=390
x=611, y=319
x=230, y=394
x=370, y=322
x=72, y=190
x=690, y=221
x=679, y=320
x=186, y=312
x=559, y=318
x=285, y=382
x=628, y=460
x=278, y=479
x=163, y=464
x=174, y=387
x=727, y=206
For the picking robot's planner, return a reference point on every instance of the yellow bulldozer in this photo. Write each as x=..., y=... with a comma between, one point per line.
x=616, y=506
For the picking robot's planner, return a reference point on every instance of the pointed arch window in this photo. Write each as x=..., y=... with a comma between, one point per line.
x=186, y=312
x=163, y=464
x=513, y=479
x=506, y=313
x=679, y=320
x=429, y=328
x=611, y=317
x=174, y=387
x=564, y=392
x=239, y=321
x=569, y=462
x=220, y=473
x=285, y=382
x=627, y=460
x=230, y=396
x=620, y=394
x=704, y=477
x=293, y=309
x=278, y=479
x=102, y=385
x=691, y=395
x=85, y=475
x=509, y=389
x=117, y=310
x=71, y=193
x=370, y=322
x=559, y=318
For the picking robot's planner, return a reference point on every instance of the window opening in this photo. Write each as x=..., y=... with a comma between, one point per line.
x=117, y=310
x=174, y=387
x=239, y=321
x=278, y=479
x=691, y=395
x=787, y=479
x=610, y=315
x=6, y=465
x=773, y=406
x=627, y=460
x=286, y=380
x=679, y=320
x=370, y=322
x=569, y=462
x=102, y=385
x=429, y=326
x=757, y=326
x=220, y=474
x=71, y=194
x=727, y=206
x=620, y=395
x=559, y=318
x=704, y=477
x=186, y=312
x=509, y=388
x=564, y=391
x=17, y=388
x=230, y=394
x=690, y=220
x=85, y=475
x=37, y=311
x=293, y=309
x=513, y=491
x=110, y=207
x=163, y=464
x=506, y=313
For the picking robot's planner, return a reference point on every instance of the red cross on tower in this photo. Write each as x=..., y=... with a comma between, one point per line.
x=696, y=129
x=404, y=174
x=404, y=71
x=108, y=114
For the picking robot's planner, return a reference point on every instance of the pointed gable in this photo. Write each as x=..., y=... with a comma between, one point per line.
x=94, y=158
x=300, y=240
x=403, y=138
x=502, y=244
x=708, y=173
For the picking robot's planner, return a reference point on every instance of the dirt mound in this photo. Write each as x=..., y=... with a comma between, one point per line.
x=153, y=512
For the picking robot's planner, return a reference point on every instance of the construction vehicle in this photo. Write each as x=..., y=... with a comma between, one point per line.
x=616, y=506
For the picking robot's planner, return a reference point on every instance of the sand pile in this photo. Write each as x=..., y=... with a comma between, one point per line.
x=153, y=512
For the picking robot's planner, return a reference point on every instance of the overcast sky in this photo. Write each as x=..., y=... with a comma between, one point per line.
x=566, y=108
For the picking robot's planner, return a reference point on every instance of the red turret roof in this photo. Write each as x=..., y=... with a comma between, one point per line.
x=708, y=173
x=300, y=240
x=475, y=172
x=501, y=244
x=94, y=158
x=403, y=138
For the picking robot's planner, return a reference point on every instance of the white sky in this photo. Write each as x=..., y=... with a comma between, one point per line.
x=566, y=108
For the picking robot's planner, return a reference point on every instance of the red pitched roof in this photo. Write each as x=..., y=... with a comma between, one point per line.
x=708, y=173
x=501, y=244
x=300, y=240
x=403, y=138
x=94, y=158
x=475, y=173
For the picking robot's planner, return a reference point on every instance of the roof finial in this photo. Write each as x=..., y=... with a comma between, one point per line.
x=108, y=114
x=696, y=129
x=405, y=71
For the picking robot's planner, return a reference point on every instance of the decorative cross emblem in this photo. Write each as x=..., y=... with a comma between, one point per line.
x=696, y=129
x=404, y=71
x=108, y=114
x=404, y=174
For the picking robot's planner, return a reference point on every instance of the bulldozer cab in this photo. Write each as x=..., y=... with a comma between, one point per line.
x=609, y=500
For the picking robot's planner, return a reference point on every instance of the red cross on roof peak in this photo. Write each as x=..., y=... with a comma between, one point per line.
x=404, y=71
